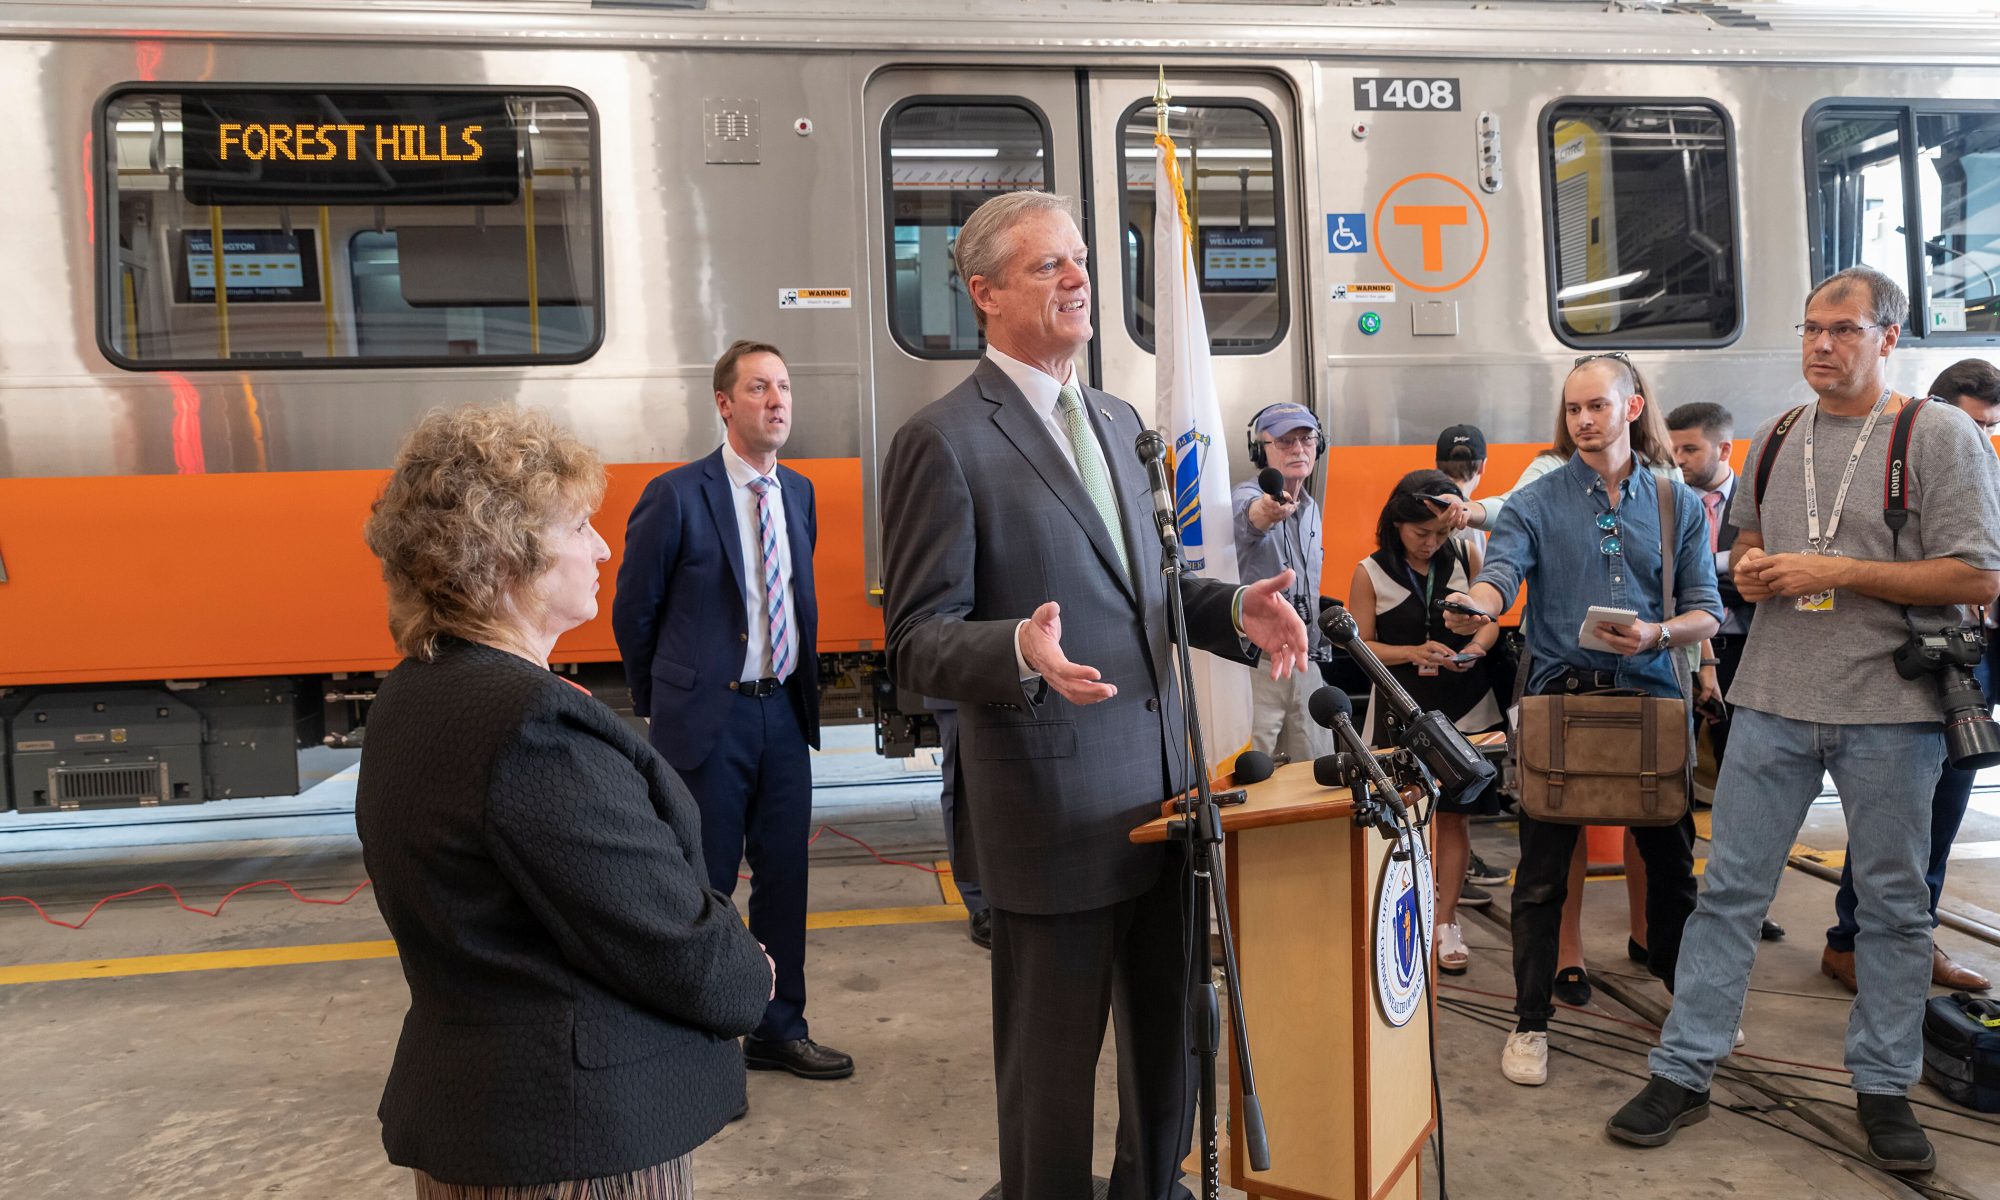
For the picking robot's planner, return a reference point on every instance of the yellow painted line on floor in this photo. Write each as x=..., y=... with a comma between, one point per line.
x=212, y=960
x=1700, y=868
x=285, y=956
x=948, y=882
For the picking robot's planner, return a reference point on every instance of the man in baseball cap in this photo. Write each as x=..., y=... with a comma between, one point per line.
x=1277, y=527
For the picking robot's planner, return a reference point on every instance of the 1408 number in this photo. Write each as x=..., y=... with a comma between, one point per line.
x=1406, y=95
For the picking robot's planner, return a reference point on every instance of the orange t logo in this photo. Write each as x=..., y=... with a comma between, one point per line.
x=1433, y=218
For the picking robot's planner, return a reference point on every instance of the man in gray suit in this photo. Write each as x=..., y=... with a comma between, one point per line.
x=1022, y=583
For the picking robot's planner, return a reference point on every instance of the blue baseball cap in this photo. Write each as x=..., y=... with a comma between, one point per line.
x=1281, y=419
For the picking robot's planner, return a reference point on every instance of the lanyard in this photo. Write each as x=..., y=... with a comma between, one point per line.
x=1816, y=543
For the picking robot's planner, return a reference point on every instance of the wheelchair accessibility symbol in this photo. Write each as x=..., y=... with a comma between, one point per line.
x=1347, y=233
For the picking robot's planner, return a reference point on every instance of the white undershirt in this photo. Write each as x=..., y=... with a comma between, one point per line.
x=757, y=657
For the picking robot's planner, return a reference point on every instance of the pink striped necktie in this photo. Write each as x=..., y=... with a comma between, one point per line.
x=774, y=577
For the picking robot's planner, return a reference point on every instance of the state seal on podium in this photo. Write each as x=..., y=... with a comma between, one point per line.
x=1405, y=908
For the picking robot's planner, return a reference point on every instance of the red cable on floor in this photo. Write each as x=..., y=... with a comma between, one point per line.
x=43, y=913
x=217, y=911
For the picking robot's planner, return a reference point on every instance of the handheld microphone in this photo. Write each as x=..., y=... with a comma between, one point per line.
x=1152, y=450
x=1458, y=768
x=1273, y=483
x=1331, y=708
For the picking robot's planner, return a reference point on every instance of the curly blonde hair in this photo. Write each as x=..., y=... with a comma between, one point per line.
x=462, y=525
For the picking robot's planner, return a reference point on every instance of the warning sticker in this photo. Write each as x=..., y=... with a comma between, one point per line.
x=1364, y=293
x=815, y=297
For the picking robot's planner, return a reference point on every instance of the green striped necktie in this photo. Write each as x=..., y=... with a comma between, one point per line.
x=1090, y=465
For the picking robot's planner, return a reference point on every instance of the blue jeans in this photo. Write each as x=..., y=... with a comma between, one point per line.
x=1885, y=774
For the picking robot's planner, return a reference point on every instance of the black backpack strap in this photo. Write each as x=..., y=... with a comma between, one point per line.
x=1769, y=458
x=1896, y=473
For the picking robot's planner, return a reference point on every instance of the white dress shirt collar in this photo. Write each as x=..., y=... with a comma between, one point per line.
x=1043, y=390
x=741, y=473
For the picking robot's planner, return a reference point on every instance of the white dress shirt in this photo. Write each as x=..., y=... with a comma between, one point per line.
x=757, y=656
x=1044, y=395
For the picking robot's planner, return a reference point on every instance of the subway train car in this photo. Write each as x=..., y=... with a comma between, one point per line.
x=249, y=245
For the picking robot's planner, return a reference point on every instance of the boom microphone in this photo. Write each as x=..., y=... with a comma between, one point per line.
x=1330, y=707
x=1273, y=483
x=1458, y=768
x=1152, y=450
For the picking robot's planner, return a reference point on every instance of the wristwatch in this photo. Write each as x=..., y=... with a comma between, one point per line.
x=1666, y=637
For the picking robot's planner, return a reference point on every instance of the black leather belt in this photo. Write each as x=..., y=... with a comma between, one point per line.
x=757, y=689
x=1575, y=680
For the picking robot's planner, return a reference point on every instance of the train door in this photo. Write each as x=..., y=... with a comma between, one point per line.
x=940, y=142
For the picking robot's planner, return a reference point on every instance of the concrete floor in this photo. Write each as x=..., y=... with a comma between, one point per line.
x=149, y=1078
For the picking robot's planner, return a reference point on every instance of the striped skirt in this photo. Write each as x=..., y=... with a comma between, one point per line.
x=668, y=1181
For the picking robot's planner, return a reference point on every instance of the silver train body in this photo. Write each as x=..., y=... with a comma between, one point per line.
x=760, y=170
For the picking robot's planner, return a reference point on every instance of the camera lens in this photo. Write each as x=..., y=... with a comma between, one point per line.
x=1971, y=739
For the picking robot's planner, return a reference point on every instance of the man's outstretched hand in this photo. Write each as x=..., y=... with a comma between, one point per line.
x=1041, y=648
x=1270, y=621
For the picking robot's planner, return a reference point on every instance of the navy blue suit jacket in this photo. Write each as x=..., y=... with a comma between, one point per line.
x=679, y=611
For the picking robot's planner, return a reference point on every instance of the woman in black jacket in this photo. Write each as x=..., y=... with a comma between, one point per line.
x=575, y=987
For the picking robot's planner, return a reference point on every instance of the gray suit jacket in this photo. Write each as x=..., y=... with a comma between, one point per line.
x=984, y=520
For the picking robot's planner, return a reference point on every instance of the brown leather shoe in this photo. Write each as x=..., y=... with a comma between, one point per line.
x=1838, y=965
x=1946, y=973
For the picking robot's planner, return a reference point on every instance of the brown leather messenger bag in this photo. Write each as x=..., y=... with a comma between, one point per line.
x=1610, y=758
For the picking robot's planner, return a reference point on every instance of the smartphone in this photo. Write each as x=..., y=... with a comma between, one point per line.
x=1463, y=609
x=1461, y=658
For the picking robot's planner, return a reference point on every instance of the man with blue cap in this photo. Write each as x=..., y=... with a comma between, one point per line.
x=1277, y=527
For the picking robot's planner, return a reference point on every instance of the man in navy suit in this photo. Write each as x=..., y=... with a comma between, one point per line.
x=716, y=620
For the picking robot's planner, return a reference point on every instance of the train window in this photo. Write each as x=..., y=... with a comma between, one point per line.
x=1231, y=168
x=944, y=157
x=1912, y=188
x=348, y=228
x=1642, y=224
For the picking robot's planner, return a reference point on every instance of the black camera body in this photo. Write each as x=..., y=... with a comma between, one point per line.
x=1971, y=739
x=1308, y=610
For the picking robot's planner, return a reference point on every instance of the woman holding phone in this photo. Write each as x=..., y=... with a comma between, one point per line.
x=1395, y=597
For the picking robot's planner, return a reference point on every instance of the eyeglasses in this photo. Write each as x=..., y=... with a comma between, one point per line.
x=1614, y=355
x=1295, y=441
x=1612, y=543
x=1842, y=332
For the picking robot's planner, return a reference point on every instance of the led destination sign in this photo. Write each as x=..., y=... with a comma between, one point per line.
x=349, y=148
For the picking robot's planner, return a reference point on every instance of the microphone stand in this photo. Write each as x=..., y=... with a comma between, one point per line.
x=1202, y=832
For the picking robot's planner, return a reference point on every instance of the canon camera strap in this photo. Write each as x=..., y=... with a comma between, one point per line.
x=1895, y=475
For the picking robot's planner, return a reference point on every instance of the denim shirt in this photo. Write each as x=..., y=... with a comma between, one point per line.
x=1547, y=538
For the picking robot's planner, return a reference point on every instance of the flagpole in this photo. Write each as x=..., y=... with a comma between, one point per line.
x=1201, y=829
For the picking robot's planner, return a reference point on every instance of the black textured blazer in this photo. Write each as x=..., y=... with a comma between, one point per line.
x=574, y=985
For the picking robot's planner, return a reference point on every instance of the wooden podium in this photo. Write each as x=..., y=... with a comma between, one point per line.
x=1346, y=1095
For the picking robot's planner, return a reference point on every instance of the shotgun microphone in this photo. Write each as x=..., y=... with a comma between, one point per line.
x=1331, y=708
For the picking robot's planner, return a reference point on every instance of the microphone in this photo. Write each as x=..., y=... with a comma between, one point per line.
x=1152, y=450
x=1255, y=766
x=1272, y=483
x=1437, y=743
x=1331, y=709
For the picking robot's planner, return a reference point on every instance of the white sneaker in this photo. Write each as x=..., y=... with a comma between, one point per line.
x=1451, y=951
x=1526, y=1059
x=1739, y=1038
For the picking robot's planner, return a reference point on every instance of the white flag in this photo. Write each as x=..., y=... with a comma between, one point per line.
x=1191, y=422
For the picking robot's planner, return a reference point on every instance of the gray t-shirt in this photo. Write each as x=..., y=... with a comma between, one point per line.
x=1834, y=667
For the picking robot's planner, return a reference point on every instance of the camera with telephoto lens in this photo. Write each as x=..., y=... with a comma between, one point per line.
x=1971, y=739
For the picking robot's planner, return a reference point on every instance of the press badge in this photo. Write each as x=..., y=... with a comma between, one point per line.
x=1818, y=602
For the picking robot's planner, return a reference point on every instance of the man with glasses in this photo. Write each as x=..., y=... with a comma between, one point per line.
x=1588, y=534
x=1817, y=693
x=1973, y=386
x=1275, y=533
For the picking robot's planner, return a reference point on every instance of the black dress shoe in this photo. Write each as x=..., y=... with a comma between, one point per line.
x=980, y=928
x=1895, y=1141
x=1573, y=987
x=1636, y=952
x=741, y=1112
x=803, y=1057
x=1771, y=931
x=1650, y=1118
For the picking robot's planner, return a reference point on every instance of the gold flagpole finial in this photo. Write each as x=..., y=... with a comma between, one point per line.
x=1161, y=98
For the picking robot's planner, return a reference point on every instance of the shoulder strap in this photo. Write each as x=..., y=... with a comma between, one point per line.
x=1896, y=472
x=1769, y=458
x=1670, y=536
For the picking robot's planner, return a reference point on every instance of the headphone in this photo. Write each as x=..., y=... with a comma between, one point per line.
x=1256, y=443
